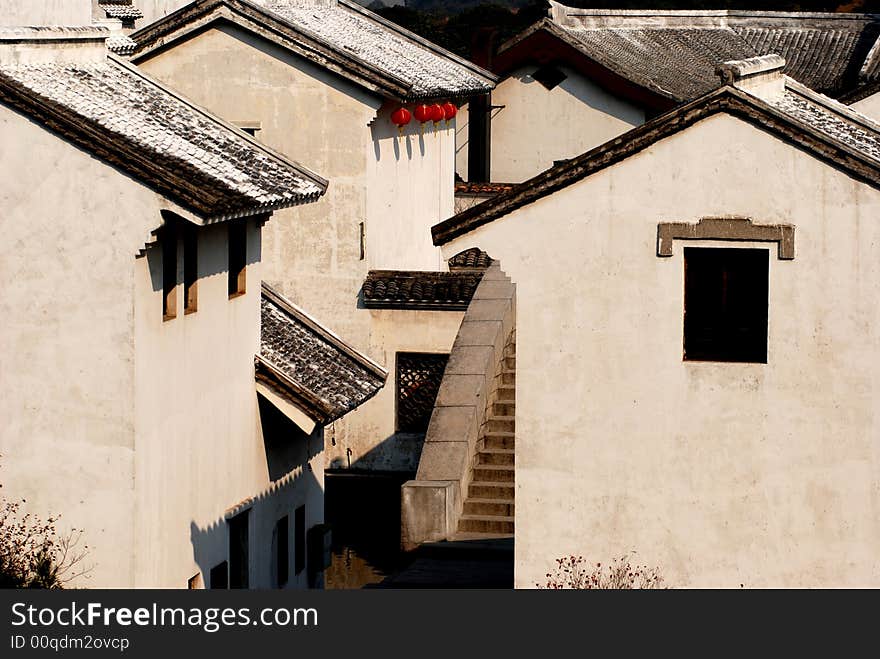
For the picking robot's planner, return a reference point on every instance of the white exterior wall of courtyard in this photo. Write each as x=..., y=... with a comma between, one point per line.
x=869, y=106
x=45, y=12
x=200, y=447
x=137, y=431
x=393, y=331
x=532, y=127
x=397, y=186
x=720, y=474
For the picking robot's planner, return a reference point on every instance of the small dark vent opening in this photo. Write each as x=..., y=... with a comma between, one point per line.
x=549, y=76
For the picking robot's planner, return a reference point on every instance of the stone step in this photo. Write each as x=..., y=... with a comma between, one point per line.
x=506, y=392
x=494, y=473
x=496, y=440
x=495, y=456
x=485, y=524
x=504, y=408
x=484, y=490
x=508, y=376
x=495, y=507
x=501, y=423
x=510, y=350
x=510, y=362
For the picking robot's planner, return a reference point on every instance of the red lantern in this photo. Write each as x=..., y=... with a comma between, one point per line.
x=423, y=113
x=437, y=113
x=449, y=111
x=401, y=117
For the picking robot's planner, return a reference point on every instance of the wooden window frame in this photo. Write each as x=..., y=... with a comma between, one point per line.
x=190, y=270
x=168, y=240
x=237, y=252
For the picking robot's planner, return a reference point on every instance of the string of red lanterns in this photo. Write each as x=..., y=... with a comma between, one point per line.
x=423, y=113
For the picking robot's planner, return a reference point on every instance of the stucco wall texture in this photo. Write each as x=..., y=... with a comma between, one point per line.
x=45, y=12
x=398, y=187
x=720, y=474
x=137, y=431
x=559, y=123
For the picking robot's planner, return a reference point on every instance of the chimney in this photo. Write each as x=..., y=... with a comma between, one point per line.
x=760, y=76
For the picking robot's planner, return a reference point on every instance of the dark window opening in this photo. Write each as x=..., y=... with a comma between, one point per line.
x=238, y=551
x=549, y=76
x=726, y=304
x=237, y=258
x=219, y=576
x=168, y=239
x=299, y=539
x=190, y=270
x=418, y=381
x=282, y=551
x=362, y=229
x=249, y=127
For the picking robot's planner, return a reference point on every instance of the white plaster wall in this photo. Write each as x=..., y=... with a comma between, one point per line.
x=67, y=391
x=370, y=433
x=869, y=106
x=536, y=126
x=153, y=10
x=410, y=186
x=138, y=431
x=720, y=474
x=398, y=186
x=200, y=448
x=45, y=12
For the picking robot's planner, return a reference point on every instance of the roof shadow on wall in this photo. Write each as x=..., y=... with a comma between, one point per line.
x=210, y=262
x=210, y=544
x=287, y=446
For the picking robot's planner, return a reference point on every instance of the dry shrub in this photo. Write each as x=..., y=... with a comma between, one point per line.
x=574, y=573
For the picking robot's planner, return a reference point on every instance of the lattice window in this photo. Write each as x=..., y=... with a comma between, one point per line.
x=418, y=381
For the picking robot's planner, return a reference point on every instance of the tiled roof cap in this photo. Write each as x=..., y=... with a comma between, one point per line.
x=470, y=259
x=415, y=290
x=735, y=70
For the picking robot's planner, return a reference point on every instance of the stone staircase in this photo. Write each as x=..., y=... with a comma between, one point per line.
x=489, y=506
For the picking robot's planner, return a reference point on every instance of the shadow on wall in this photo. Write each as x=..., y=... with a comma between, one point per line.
x=293, y=484
x=213, y=255
x=585, y=93
x=399, y=452
x=382, y=129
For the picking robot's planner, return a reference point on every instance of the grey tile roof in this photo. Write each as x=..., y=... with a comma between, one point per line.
x=306, y=363
x=825, y=59
x=121, y=10
x=339, y=35
x=671, y=53
x=117, y=113
x=355, y=31
x=674, y=62
x=470, y=259
x=829, y=130
x=833, y=119
x=407, y=289
x=120, y=44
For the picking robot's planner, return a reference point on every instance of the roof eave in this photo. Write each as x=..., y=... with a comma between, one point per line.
x=327, y=335
x=197, y=17
x=725, y=99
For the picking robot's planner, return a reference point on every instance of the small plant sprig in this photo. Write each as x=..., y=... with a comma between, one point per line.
x=33, y=554
x=575, y=573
